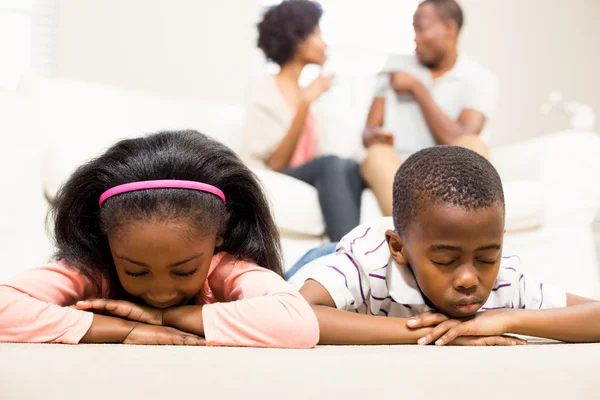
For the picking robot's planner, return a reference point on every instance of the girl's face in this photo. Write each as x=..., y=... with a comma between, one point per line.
x=312, y=50
x=163, y=263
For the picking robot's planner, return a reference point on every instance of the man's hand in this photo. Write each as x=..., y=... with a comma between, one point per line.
x=317, y=88
x=123, y=309
x=161, y=335
x=379, y=136
x=486, y=323
x=403, y=82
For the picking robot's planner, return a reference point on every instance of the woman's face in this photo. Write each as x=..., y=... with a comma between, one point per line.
x=163, y=263
x=312, y=50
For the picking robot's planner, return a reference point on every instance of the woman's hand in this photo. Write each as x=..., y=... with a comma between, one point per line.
x=123, y=309
x=317, y=88
x=161, y=335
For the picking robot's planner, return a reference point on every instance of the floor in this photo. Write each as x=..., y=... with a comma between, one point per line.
x=537, y=371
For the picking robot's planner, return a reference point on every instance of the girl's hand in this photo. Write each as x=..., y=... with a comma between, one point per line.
x=157, y=335
x=487, y=323
x=123, y=309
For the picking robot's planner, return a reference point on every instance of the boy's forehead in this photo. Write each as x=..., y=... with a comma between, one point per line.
x=446, y=222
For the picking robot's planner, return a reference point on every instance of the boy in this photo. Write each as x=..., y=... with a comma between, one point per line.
x=435, y=265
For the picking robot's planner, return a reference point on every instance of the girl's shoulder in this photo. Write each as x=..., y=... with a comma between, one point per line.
x=226, y=263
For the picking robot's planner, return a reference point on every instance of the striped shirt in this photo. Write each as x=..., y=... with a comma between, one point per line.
x=363, y=277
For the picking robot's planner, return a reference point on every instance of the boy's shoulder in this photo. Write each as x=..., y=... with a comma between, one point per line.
x=366, y=244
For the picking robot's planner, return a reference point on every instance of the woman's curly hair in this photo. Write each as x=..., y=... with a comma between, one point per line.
x=285, y=25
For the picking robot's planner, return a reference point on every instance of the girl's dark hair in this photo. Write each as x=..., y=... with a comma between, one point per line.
x=285, y=25
x=81, y=226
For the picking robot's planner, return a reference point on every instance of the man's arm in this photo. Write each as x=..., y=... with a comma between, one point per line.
x=373, y=132
x=444, y=129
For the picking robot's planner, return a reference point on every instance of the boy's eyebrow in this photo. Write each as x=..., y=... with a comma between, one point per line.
x=441, y=247
x=489, y=247
x=175, y=264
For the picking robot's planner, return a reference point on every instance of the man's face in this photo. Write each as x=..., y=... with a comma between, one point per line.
x=454, y=254
x=433, y=36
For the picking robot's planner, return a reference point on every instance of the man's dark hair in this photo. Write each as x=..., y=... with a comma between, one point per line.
x=448, y=10
x=284, y=26
x=444, y=175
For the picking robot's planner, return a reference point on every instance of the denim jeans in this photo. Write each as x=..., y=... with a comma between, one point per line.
x=320, y=251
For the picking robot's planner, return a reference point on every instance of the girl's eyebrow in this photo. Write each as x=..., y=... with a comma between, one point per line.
x=175, y=264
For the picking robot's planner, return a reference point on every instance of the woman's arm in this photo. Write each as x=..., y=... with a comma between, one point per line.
x=280, y=158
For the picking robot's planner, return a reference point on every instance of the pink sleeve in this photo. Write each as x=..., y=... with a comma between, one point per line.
x=33, y=306
x=260, y=309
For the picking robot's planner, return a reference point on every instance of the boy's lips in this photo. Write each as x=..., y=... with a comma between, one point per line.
x=467, y=304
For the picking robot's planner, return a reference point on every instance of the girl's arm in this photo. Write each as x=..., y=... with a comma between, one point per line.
x=258, y=308
x=33, y=306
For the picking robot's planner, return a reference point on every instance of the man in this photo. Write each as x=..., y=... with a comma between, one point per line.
x=432, y=98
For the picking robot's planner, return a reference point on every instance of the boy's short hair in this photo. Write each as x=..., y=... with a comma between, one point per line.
x=444, y=175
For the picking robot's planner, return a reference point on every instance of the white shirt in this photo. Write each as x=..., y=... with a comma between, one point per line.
x=363, y=277
x=466, y=86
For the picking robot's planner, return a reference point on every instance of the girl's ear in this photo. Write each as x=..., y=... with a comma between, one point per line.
x=396, y=245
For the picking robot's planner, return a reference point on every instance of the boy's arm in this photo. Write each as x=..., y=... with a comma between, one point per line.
x=578, y=322
x=345, y=327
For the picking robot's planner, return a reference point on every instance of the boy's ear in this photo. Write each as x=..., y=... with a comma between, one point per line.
x=396, y=245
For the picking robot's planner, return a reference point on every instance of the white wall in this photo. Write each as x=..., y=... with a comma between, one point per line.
x=195, y=49
x=205, y=50
x=534, y=47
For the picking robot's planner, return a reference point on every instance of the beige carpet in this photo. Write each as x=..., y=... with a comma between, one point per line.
x=110, y=372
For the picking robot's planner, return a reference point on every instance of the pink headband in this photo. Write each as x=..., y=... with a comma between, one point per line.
x=161, y=184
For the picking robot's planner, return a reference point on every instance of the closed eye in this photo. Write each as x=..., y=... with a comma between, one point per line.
x=444, y=264
x=136, y=274
x=491, y=262
x=192, y=272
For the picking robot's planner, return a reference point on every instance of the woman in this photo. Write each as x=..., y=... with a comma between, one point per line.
x=282, y=126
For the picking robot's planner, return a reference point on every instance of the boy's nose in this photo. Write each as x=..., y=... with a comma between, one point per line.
x=465, y=279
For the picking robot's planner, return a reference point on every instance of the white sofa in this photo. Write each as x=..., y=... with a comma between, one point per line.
x=551, y=182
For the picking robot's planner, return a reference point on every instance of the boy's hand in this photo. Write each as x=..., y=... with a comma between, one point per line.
x=161, y=335
x=487, y=323
x=441, y=322
x=487, y=341
x=123, y=309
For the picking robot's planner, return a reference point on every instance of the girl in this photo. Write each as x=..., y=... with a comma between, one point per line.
x=166, y=239
x=282, y=127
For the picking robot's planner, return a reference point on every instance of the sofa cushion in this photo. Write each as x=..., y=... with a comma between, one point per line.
x=295, y=204
x=524, y=205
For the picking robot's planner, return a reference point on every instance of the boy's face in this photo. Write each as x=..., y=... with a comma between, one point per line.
x=454, y=254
